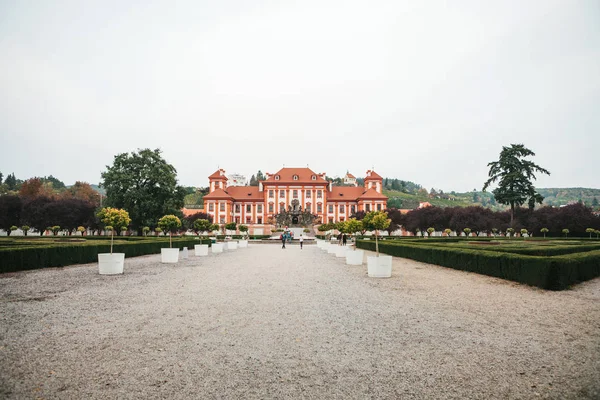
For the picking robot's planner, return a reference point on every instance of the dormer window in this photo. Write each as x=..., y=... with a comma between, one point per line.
x=314, y=177
x=276, y=177
x=295, y=177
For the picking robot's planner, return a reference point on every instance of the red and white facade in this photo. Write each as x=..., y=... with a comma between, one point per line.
x=255, y=206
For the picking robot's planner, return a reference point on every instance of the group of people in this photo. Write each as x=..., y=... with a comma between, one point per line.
x=342, y=239
x=287, y=236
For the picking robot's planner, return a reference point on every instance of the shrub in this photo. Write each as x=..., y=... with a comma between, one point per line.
x=169, y=223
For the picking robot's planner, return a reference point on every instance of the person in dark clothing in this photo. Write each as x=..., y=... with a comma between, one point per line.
x=301, y=241
x=282, y=237
x=344, y=239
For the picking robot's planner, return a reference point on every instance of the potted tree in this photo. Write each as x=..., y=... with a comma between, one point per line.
x=566, y=232
x=524, y=232
x=544, y=231
x=145, y=230
x=588, y=230
x=81, y=230
x=341, y=250
x=199, y=226
x=430, y=230
x=467, y=232
x=112, y=263
x=510, y=231
x=355, y=257
x=169, y=223
x=447, y=231
x=158, y=230
x=378, y=266
x=230, y=245
x=25, y=229
x=244, y=230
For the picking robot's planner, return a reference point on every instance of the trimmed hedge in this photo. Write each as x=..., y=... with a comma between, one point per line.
x=44, y=256
x=553, y=273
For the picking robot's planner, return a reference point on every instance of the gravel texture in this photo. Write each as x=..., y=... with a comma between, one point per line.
x=263, y=322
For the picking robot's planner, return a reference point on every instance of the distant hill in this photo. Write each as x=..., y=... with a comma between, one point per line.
x=563, y=196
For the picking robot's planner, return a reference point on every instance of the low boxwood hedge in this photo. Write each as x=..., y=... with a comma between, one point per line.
x=553, y=273
x=58, y=255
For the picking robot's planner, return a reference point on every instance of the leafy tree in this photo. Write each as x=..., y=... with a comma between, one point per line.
x=597, y=232
x=467, y=231
x=169, y=223
x=82, y=191
x=55, y=229
x=353, y=226
x=10, y=212
x=33, y=188
x=448, y=231
x=595, y=202
x=510, y=231
x=144, y=184
x=54, y=182
x=566, y=232
x=260, y=176
x=1, y=176
x=231, y=226
x=11, y=182
x=12, y=229
x=25, y=229
x=145, y=230
x=376, y=220
x=544, y=231
x=214, y=227
x=201, y=225
x=590, y=231
x=114, y=218
x=524, y=232
x=243, y=229
x=253, y=181
x=188, y=221
x=81, y=229
x=515, y=174
x=35, y=213
x=158, y=230
x=494, y=231
x=396, y=220
x=430, y=230
x=70, y=213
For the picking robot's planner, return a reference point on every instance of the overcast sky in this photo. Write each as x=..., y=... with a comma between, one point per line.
x=426, y=91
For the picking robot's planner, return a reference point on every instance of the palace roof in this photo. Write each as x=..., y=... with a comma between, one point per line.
x=220, y=173
x=373, y=175
x=245, y=193
x=218, y=194
x=345, y=193
x=372, y=194
x=287, y=175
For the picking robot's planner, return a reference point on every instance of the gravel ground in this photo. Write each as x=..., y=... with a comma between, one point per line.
x=263, y=322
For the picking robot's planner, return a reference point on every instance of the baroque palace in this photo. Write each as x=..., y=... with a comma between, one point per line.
x=291, y=190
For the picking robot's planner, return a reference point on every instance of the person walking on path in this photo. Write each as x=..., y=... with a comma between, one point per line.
x=344, y=239
x=301, y=240
x=282, y=237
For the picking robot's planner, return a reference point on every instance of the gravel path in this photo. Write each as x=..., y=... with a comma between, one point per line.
x=263, y=322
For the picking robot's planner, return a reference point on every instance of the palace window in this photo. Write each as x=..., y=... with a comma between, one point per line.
x=307, y=208
x=331, y=220
x=211, y=207
x=341, y=208
x=248, y=220
x=330, y=208
x=367, y=207
x=319, y=194
x=281, y=207
x=352, y=209
x=276, y=177
x=237, y=220
x=216, y=185
x=295, y=177
x=259, y=208
x=237, y=208
x=259, y=220
x=222, y=220
x=319, y=208
x=295, y=193
x=248, y=208
x=378, y=207
x=282, y=194
x=314, y=178
x=222, y=207
x=308, y=194
x=271, y=194
x=270, y=207
x=341, y=219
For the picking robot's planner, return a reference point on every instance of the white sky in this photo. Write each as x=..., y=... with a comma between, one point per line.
x=426, y=91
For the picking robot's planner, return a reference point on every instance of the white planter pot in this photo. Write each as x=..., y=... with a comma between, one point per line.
x=332, y=248
x=184, y=253
x=217, y=248
x=169, y=255
x=111, y=264
x=341, y=251
x=201, y=249
x=379, y=267
x=355, y=257
x=232, y=245
x=243, y=243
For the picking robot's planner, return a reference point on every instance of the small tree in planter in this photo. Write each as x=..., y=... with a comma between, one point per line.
x=566, y=232
x=124, y=231
x=467, y=232
x=214, y=227
x=590, y=231
x=169, y=223
x=201, y=225
x=231, y=226
x=145, y=230
x=26, y=228
x=158, y=230
x=597, y=232
x=243, y=229
x=55, y=229
x=447, y=231
x=111, y=218
x=376, y=220
x=353, y=226
x=544, y=231
x=524, y=232
x=494, y=231
x=81, y=230
x=12, y=229
x=510, y=231
x=430, y=231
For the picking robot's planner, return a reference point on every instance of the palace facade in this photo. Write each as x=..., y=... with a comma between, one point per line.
x=297, y=189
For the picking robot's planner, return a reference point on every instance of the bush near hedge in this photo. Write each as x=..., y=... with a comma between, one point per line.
x=51, y=255
x=553, y=273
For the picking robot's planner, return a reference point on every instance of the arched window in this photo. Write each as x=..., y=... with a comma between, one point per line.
x=276, y=177
x=295, y=177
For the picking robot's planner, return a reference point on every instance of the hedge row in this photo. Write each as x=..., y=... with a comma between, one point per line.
x=542, y=250
x=44, y=256
x=553, y=273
